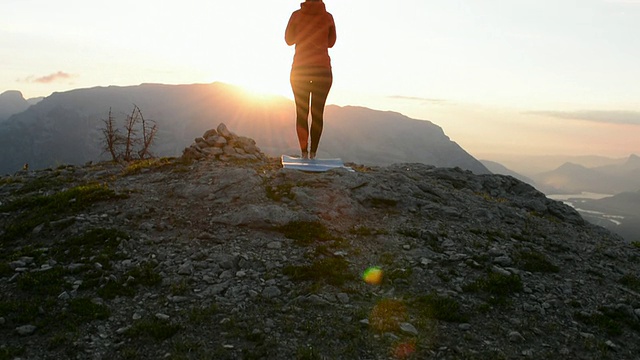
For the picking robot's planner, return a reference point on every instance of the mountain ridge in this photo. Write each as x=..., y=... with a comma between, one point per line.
x=44, y=134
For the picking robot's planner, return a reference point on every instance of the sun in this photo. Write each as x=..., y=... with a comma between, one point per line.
x=257, y=81
x=265, y=86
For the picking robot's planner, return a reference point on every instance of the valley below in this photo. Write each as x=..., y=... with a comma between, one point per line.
x=589, y=205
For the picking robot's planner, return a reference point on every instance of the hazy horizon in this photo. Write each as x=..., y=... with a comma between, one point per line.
x=500, y=77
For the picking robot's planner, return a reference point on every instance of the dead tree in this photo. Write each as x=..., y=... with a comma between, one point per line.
x=130, y=137
x=111, y=137
x=125, y=146
x=148, y=135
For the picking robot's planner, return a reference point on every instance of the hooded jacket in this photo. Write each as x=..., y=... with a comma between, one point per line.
x=313, y=31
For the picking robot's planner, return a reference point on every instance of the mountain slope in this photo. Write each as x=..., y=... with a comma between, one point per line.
x=65, y=127
x=243, y=259
x=498, y=168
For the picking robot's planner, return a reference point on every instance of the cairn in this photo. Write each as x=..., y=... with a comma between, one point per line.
x=223, y=145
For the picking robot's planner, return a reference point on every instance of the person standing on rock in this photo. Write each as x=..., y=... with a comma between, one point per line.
x=313, y=31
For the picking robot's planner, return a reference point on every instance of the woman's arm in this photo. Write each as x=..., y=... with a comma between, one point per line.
x=332, y=32
x=290, y=32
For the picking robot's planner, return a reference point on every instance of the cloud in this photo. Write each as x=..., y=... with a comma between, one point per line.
x=58, y=76
x=598, y=116
x=633, y=2
x=420, y=99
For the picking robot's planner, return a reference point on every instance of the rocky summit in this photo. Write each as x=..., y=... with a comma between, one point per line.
x=218, y=256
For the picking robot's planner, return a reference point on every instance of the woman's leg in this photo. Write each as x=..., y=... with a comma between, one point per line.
x=320, y=90
x=301, y=93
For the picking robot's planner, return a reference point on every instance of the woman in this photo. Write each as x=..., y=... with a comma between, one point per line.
x=313, y=32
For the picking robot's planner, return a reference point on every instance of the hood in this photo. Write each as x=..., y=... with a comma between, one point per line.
x=313, y=7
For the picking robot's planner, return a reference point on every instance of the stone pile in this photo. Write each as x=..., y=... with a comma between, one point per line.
x=222, y=144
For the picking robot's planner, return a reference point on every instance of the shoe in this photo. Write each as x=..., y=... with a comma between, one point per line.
x=312, y=155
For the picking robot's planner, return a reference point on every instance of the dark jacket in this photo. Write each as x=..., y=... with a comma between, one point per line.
x=313, y=31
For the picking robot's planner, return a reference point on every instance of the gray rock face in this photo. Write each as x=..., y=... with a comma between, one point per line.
x=248, y=260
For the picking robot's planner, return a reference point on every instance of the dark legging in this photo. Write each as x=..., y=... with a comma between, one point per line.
x=310, y=85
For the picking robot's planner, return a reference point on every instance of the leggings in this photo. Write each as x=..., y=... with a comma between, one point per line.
x=310, y=86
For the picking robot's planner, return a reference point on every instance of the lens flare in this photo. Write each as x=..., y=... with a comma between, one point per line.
x=372, y=276
x=404, y=350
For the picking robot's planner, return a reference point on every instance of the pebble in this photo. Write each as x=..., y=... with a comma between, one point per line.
x=186, y=269
x=516, y=337
x=25, y=330
x=179, y=299
x=274, y=245
x=343, y=298
x=162, y=316
x=122, y=330
x=611, y=345
x=271, y=291
x=408, y=328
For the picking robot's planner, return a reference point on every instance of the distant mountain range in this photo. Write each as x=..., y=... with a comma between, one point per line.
x=531, y=165
x=607, y=179
x=65, y=128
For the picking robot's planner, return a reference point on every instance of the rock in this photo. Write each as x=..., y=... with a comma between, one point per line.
x=516, y=337
x=271, y=292
x=527, y=353
x=186, y=269
x=17, y=264
x=161, y=316
x=178, y=299
x=222, y=145
x=343, y=298
x=501, y=271
x=25, y=330
x=245, y=253
x=223, y=131
x=503, y=260
x=209, y=133
x=408, y=328
x=123, y=330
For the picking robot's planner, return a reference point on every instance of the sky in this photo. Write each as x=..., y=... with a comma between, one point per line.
x=501, y=77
